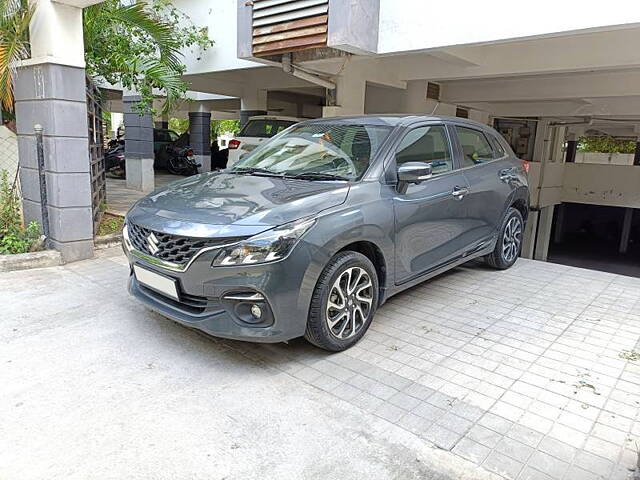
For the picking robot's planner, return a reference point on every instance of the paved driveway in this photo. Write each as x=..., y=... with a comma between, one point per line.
x=524, y=374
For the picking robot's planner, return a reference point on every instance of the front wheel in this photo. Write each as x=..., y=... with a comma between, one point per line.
x=343, y=302
x=509, y=242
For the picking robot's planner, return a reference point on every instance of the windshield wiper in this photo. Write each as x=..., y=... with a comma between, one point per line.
x=254, y=170
x=318, y=176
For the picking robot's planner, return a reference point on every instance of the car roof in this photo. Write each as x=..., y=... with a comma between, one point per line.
x=274, y=117
x=395, y=120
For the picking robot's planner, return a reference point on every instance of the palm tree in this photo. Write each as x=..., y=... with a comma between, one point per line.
x=152, y=67
x=149, y=61
x=15, y=16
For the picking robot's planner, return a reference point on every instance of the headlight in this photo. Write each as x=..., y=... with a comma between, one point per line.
x=269, y=246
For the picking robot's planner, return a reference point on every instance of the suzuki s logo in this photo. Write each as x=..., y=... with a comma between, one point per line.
x=152, y=243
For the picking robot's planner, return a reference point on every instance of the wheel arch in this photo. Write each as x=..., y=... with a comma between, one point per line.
x=374, y=253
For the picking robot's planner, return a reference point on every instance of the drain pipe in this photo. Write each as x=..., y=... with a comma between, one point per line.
x=43, y=182
x=296, y=71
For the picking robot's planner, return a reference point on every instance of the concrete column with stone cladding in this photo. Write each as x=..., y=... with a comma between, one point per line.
x=53, y=96
x=51, y=91
x=138, y=146
x=200, y=138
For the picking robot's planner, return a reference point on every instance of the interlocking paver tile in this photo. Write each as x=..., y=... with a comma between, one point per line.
x=442, y=436
x=503, y=465
x=471, y=450
x=548, y=464
x=593, y=463
x=514, y=449
x=525, y=435
x=530, y=473
x=558, y=449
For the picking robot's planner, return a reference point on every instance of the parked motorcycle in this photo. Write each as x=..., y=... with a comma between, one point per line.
x=181, y=161
x=114, y=161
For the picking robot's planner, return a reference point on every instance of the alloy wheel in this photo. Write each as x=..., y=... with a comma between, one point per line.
x=511, y=239
x=349, y=303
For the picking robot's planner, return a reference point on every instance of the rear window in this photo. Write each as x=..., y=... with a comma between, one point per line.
x=264, y=128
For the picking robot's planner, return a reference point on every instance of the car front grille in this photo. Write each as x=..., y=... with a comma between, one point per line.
x=172, y=248
x=190, y=304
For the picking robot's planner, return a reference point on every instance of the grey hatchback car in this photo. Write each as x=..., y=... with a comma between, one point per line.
x=316, y=228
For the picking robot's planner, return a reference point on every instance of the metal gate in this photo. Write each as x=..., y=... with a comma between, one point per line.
x=96, y=153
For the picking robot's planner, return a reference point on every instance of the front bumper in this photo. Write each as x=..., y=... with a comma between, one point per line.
x=286, y=285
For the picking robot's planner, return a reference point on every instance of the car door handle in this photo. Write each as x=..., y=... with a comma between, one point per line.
x=459, y=192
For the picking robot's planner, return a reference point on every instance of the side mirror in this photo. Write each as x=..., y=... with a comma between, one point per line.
x=414, y=172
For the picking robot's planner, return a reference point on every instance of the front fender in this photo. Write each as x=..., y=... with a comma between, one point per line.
x=366, y=216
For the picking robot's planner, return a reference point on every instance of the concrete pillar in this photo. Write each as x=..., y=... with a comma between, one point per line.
x=252, y=103
x=200, y=138
x=544, y=233
x=626, y=230
x=572, y=148
x=529, y=237
x=51, y=91
x=349, y=96
x=138, y=147
x=558, y=235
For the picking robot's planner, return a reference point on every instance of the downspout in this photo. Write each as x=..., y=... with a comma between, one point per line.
x=304, y=74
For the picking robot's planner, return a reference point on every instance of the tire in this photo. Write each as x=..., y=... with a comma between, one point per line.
x=343, y=267
x=509, y=244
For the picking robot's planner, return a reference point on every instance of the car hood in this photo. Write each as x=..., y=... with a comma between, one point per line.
x=224, y=204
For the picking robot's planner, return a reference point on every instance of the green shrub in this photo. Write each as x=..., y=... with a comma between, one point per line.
x=14, y=237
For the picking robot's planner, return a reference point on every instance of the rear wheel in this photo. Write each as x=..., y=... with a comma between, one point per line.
x=509, y=242
x=343, y=302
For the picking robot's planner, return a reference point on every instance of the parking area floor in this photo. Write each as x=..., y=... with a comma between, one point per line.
x=524, y=374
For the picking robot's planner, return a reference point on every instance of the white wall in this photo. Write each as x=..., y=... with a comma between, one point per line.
x=220, y=16
x=614, y=185
x=605, y=158
x=420, y=24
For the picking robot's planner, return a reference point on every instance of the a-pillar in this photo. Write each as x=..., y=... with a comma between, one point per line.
x=252, y=103
x=200, y=138
x=51, y=91
x=138, y=145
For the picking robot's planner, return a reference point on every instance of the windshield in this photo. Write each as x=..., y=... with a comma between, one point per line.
x=264, y=128
x=332, y=150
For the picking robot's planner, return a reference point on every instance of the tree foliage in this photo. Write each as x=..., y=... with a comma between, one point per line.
x=606, y=145
x=139, y=47
x=15, y=16
x=218, y=127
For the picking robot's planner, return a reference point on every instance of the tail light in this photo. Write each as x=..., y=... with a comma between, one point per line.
x=526, y=166
x=189, y=153
x=234, y=144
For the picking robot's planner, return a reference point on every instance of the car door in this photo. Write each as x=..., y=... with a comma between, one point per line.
x=484, y=167
x=430, y=221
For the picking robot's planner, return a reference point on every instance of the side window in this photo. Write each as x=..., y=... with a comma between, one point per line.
x=475, y=147
x=429, y=145
x=500, y=151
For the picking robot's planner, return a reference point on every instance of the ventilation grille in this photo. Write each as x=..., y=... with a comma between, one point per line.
x=433, y=91
x=462, y=112
x=281, y=26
